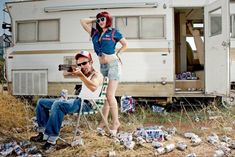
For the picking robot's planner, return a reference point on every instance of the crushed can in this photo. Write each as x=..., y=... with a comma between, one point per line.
x=31, y=150
x=112, y=154
x=190, y=135
x=225, y=138
x=191, y=155
x=213, y=139
x=219, y=153
x=157, y=144
x=161, y=150
x=77, y=142
x=6, y=152
x=25, y=143
x=18, y=150
x=140, y=140
x=181, y=146
x=232, y=144
x=196, y=141
x=170, y=147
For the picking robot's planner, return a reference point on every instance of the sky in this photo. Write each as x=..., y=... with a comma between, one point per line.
x=3, y=16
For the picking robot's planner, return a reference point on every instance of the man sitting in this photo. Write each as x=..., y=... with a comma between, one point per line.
x=50, y=112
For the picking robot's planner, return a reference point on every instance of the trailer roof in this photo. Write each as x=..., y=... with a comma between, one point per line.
x=22, y=1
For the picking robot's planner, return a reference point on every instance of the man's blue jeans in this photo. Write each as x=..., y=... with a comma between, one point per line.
x=50, y=114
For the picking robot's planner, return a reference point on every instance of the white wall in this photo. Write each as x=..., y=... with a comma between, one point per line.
x=137, y=66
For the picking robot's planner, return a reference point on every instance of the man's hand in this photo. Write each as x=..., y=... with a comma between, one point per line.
x=77, y=72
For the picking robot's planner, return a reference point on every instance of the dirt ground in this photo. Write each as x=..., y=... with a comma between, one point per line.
x=16, y=125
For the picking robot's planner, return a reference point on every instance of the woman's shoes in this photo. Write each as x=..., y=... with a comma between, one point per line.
x=100, y=131
x=113, y=133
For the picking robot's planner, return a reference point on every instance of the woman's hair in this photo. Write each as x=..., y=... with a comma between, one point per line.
x=109, y=20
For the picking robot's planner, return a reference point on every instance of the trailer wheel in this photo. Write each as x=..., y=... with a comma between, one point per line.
x=228, y=102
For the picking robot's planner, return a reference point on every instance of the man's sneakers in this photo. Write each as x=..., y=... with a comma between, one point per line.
x=49, y=147
x=38, y=138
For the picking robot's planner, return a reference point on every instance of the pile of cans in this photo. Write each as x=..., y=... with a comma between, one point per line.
x=21, y=149
x=150, y=134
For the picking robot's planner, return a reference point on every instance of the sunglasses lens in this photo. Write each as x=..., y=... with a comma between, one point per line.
x=102, y=19
x=83, y=63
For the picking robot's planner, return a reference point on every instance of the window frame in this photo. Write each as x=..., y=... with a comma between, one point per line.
x=37, y=30
x=232, y=30
x=140, y=17
x=17, y=31
x=216, y=15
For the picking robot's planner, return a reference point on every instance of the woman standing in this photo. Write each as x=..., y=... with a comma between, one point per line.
x=104, y=39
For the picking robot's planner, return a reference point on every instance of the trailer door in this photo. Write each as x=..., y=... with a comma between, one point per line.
x=217, y=48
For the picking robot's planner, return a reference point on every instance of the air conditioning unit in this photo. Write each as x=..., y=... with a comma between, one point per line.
x=30, y=82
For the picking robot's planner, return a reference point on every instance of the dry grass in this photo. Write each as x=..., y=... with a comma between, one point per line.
x=16, y=114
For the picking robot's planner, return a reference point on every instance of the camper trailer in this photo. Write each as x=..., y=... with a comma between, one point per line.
x=176, y=48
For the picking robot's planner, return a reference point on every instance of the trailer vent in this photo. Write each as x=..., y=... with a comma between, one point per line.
x=28, y=82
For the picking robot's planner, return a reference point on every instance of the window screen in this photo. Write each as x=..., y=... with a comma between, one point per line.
x=48, y=30
x=136, y=27
x=152, y=27
x=128, y=26
x=215, y=22
x=26, y=32
x=232, y=26
x=40, y=30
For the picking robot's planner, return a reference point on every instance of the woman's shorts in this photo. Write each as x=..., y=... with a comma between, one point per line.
x=112, y=70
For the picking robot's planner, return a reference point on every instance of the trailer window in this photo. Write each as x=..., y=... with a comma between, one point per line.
x=48, y=30
x=26, y=32
x=215, y=22
x=129, y=26
x=37, y=31
x=141, y=27
x=152, y=27
x=232, y=26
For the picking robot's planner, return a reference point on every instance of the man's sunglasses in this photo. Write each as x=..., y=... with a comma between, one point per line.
x=101, y=19
x=83, y=63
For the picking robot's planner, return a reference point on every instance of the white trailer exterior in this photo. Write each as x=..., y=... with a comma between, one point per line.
x=48, y=33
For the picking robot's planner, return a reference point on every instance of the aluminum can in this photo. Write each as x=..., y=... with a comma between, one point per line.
x=64, y=94
x=170, y=147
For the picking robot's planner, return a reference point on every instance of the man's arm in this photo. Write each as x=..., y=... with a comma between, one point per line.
x=92, y=83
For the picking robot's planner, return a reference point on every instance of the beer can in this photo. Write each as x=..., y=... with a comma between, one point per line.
x=181, y=146
x=64, y=94
x=161, y=150
x=170, y=147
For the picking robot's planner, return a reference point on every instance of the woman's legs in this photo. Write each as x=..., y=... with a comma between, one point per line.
x=111, y=90
x=112, y=70
x=105, y=111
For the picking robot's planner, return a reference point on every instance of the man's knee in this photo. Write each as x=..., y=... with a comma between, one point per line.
x=39, y=103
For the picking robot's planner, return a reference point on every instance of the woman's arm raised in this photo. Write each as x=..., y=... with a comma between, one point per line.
x=87, y=23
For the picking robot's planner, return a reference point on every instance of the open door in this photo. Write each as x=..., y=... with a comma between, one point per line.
x=217, y=48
